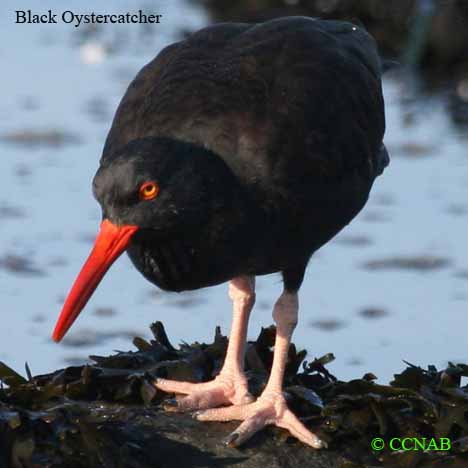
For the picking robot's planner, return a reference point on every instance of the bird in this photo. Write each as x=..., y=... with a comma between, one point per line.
x=238, y=152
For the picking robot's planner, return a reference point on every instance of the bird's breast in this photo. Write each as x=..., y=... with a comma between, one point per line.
x=168, y=263
x=178, y=264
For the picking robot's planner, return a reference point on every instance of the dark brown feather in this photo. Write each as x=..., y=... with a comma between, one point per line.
x=258, y=95
x=293, y=106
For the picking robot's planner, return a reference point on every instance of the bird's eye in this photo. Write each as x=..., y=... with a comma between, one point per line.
x=148, y=190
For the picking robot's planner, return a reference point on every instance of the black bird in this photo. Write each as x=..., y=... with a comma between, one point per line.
x=239, y=152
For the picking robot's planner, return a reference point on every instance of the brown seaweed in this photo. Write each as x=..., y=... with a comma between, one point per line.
x=108, y=414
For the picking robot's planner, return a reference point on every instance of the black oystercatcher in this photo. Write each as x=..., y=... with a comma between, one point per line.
x=238, y=152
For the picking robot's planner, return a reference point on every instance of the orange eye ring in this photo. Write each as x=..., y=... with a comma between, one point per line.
x=148, y=190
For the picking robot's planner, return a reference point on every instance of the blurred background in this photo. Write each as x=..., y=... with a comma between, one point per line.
x=391, y=287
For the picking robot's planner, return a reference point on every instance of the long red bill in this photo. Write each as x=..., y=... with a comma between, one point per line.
x=111, y=241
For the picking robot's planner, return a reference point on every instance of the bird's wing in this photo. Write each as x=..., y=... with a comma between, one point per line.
x=327, y=103
x=259, y=95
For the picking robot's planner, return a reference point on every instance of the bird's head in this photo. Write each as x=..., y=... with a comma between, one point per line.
x=156, y=184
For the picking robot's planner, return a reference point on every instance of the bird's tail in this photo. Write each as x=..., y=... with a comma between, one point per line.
x=383, y=160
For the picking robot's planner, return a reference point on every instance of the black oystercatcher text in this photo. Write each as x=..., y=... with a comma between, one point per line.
x=68, y=17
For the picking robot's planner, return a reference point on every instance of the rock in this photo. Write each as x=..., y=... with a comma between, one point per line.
x=421, y=263
x=34, y=138
x=108, y=414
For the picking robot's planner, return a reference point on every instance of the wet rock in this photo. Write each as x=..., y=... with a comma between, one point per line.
x=428, y=33
x=448, y=35
x=384, y=199
x=458, y=102
x=21, y=170
x=328, y=324
x=29, y=103
x=87, y=32
x=105, y=312
x=371, y=216
x=457, y=209
x=20, y=265
x=57, y=261
x=108, y=414
x=358, y=240
x=87, y=337
x=11, y=212
x=421, y=263
x=463, y=274
x=38, y=318
x=186, y=302
x=416, y=149
x=34, y=138
x=373, y=313
x=76, y=360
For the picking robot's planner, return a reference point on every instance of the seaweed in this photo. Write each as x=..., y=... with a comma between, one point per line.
x=108, y=414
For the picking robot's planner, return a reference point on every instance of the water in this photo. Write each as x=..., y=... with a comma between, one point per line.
x=59, y=78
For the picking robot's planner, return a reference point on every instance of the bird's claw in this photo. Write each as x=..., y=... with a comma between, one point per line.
x=231, y=439
x=171, y=405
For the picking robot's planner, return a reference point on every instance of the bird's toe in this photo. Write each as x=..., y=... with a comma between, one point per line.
x=225, y=389
x=201, y=400
x=267, y=410
x=202, y=396
x=174, y=386
x=291, y=423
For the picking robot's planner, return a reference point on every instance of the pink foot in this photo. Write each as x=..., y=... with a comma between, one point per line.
x=270, y=408
x=226, y=389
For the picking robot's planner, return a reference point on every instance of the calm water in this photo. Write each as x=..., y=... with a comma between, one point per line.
x=391, y=286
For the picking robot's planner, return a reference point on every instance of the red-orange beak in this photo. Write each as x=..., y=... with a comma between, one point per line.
x=111, y=241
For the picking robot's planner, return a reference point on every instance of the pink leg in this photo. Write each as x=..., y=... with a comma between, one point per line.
x=270, y=408
x=230, y=386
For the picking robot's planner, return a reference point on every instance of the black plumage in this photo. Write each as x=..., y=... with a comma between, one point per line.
x=284, y=123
